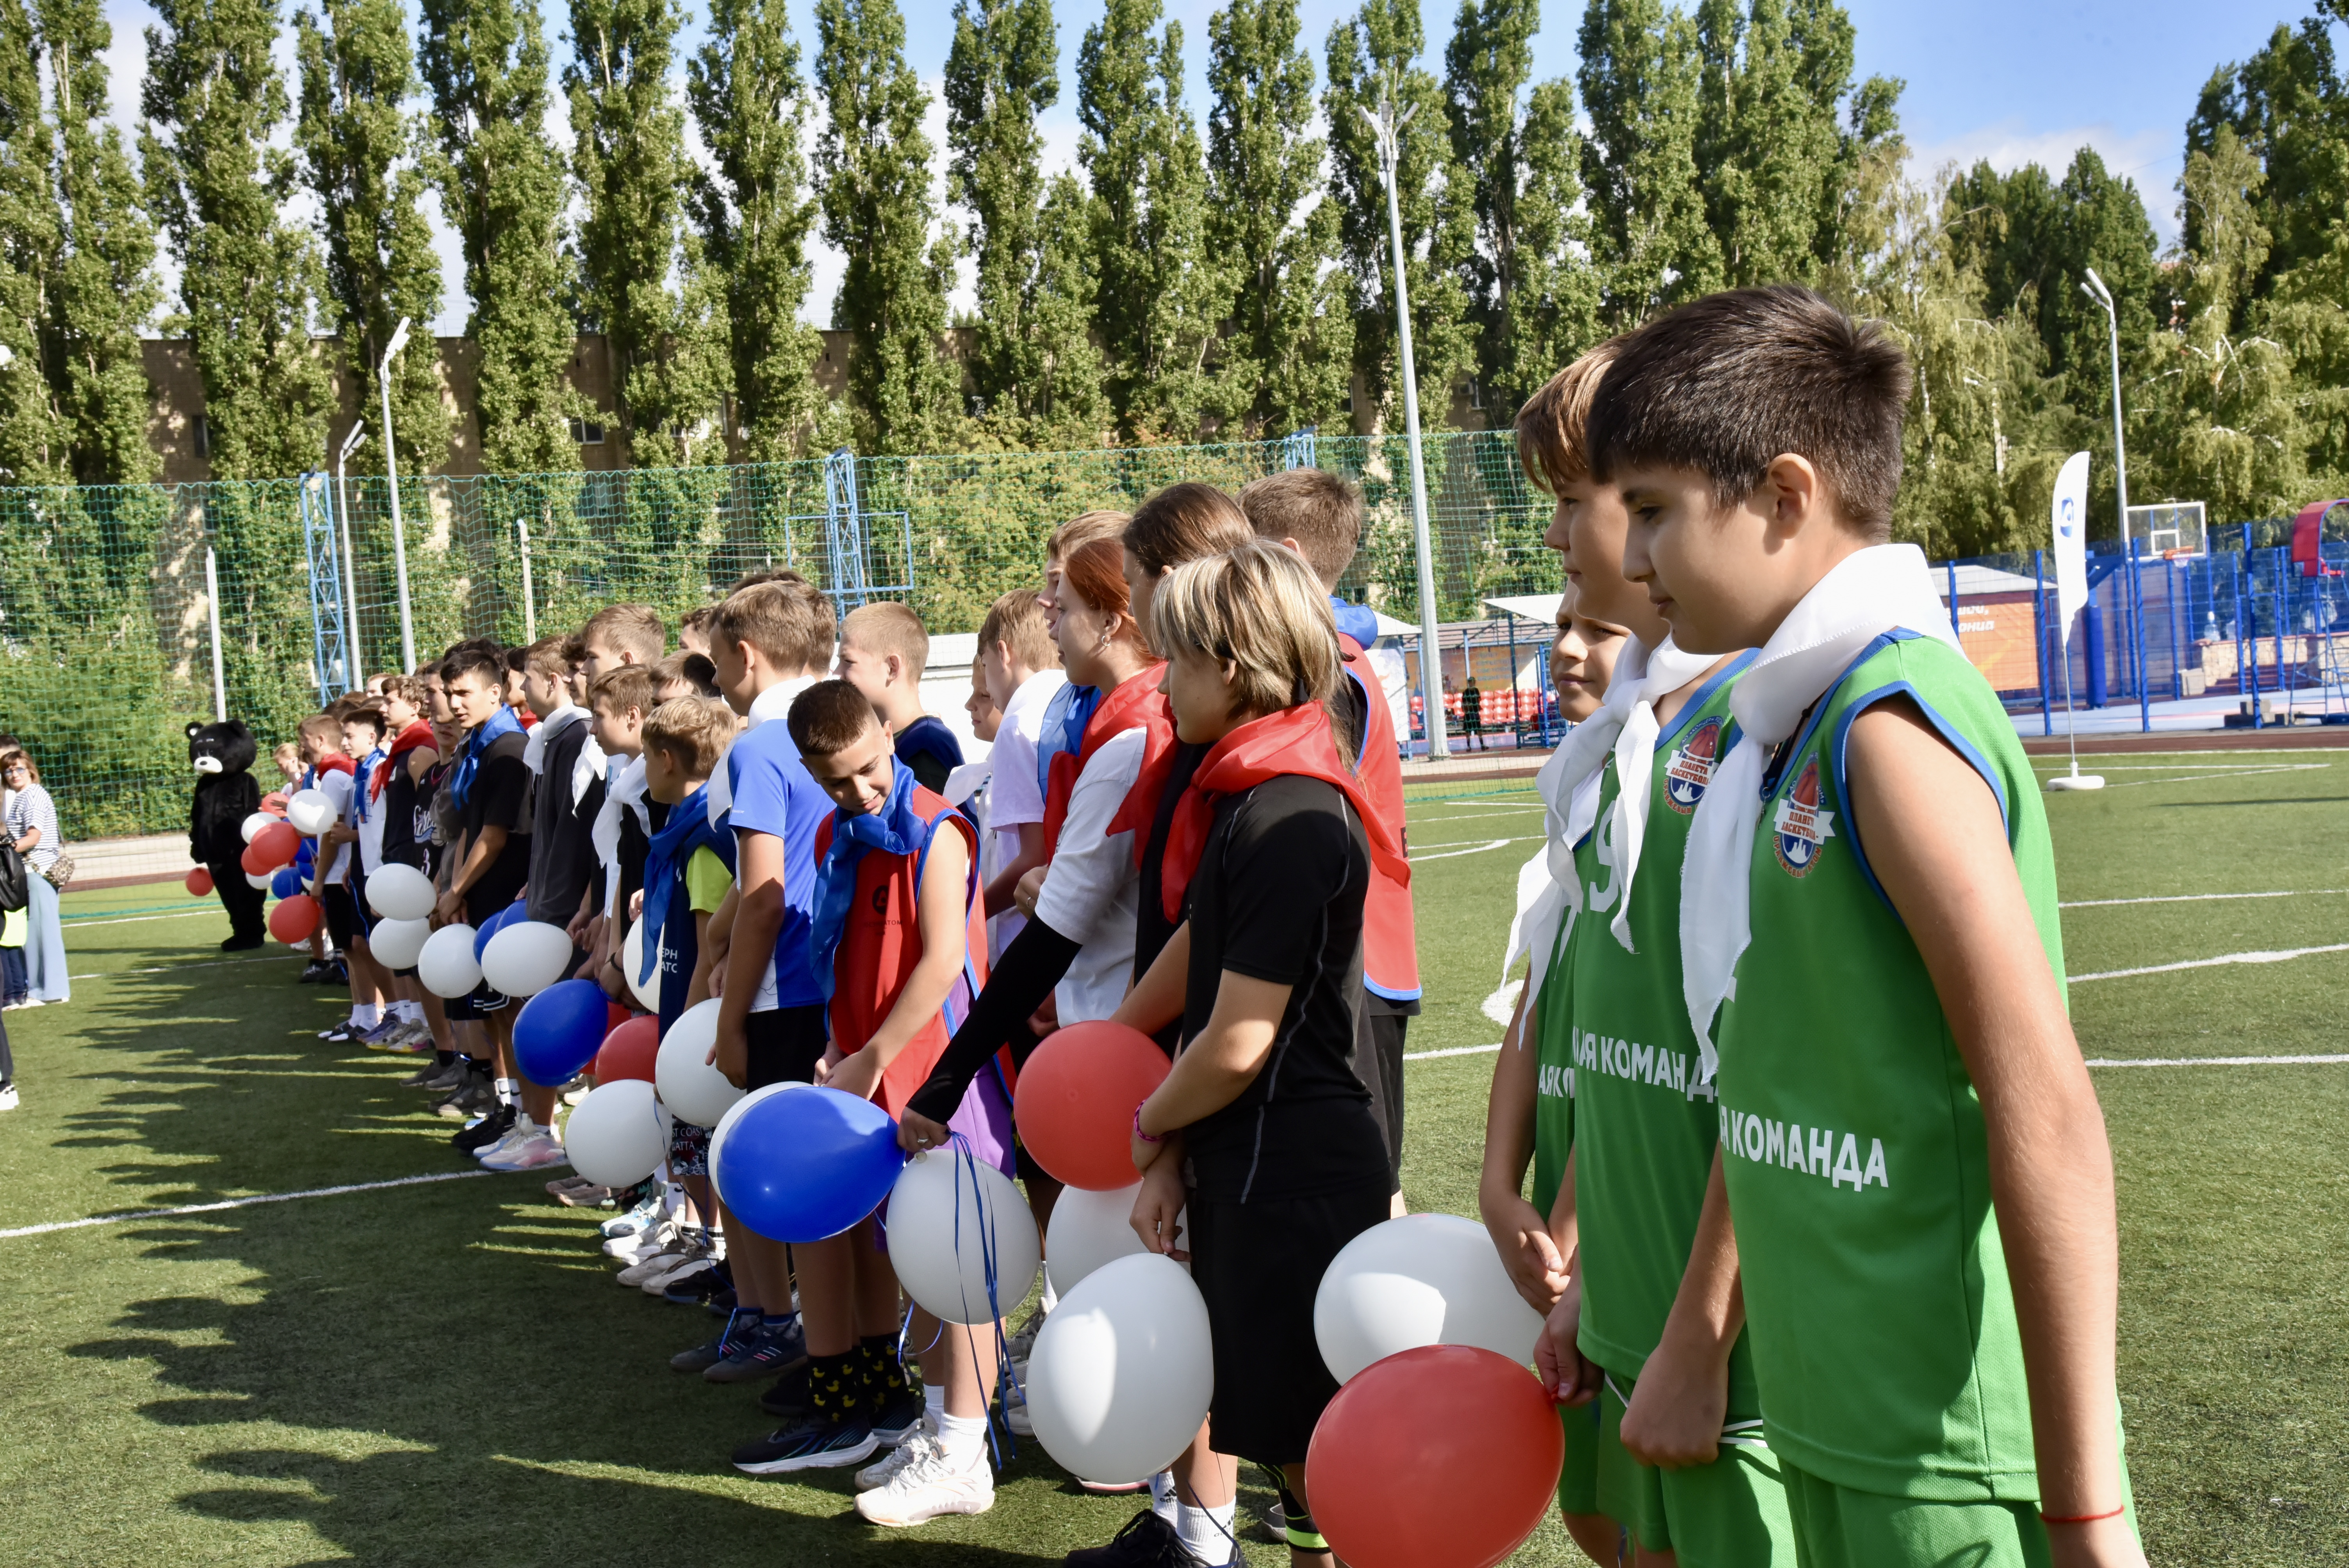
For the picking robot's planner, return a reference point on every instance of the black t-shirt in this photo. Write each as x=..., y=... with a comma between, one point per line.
x=1152, y=929
x=929, y=750
x=404, y=811
x=1278, y=896
x=500, y=798
x=562, y=851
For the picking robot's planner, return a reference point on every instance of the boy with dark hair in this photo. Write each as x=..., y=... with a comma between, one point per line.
x=1319, y=516
x=1933, y=1347
x=883, y=649
x=693, y=632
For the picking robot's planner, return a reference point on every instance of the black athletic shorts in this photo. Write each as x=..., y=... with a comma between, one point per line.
x=344, y=918
x=784, y=1044
x=1378, y=1062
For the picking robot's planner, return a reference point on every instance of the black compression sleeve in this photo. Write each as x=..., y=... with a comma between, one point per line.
x=1023, y=977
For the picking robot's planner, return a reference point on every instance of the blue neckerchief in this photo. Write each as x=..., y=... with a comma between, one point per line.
x=1359, y=621
x=687, y=831
x=460, y=783
x=359, y=777
x=894, y=829
x=1063, y=729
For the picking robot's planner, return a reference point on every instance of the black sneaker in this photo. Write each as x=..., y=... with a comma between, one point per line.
x=694, y=1288
x=899, y=1415
x=484, y=1132
x=812, y=1443
x=778, y=1347
x=472, y=1098
x=788, y=1400
x=721, y=1304
x=442, y=1077
x=703, y=1356
x=315, y=972
x=1146, y=1542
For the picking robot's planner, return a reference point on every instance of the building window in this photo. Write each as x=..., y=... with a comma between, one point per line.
x=587, y=432
x=1475, y=392
x=976, y=406
x=201, y=430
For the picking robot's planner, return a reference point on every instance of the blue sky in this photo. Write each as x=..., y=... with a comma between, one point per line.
x=2012, y=81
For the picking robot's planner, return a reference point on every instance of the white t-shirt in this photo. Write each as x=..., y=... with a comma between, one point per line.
x=336, y=787
x=371, y=830
x=1092, y=891
x=1014, y=794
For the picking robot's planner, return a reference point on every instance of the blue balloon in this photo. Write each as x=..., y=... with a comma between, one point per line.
x=559, y=1030
x=806, y=1165
x=285, y=884
x=491, y=926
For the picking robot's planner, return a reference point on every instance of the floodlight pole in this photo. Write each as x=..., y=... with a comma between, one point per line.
x=350, y=567
x=2095, y=289
x=211, y=609
x=391, y=477
x=1388, y=129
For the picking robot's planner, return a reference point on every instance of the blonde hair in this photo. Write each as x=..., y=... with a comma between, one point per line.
x=694, y=729
x=888, y=626
x=1552, y=426
x=1259, y=609
x=1083, y=529
x=1017, y=621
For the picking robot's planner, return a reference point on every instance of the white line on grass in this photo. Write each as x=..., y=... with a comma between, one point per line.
x=1452, y=1051
x=2272, y=957
x=2208, y=1061
x=174, y=968
x=139, y=919
x=241, y=1202
x=2202, y=897
x=1472, y=850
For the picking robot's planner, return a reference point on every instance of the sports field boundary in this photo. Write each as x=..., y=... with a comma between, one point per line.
x=227, y=1204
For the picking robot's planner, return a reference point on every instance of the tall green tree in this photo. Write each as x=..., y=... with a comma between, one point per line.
x=1373, y=61
x=873, y=181
x=1642, y=77
x=501, y=189
x=355, y=137
x=1768, y=142
x=628, y=155
x=2288, y=105
x=103, y=288
x=32, y=439
x=1163, y=289
x=1289, y=354
x=249, y=280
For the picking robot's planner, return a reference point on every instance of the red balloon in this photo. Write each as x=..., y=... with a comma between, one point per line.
x=1074, y=1107
x=280, y=842
x=627, y=1052
x=613, y=1017
x=256, y=861
x=294, y=919
x=1442, y=1457
x=199, y=883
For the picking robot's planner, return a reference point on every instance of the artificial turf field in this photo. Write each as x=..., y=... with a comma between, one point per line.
x=444, y=1373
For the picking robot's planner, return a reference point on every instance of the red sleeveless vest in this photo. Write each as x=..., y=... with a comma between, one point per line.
x=1389, y=945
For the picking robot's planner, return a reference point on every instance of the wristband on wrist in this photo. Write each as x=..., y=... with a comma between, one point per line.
x=1145, y=1137
x=2081, y=1518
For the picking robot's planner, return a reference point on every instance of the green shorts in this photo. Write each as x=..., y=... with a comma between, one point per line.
x=1578, y=1482
x=1836, y=1527
x=1727, y=1514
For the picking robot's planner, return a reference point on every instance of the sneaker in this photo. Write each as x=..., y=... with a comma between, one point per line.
x=696, y=1285
x=519, y=1130
x=412, y=1038
x=636, y=1247
x=442, y=1077
x=7, y=1097
x=778, y=1347
x=1275, y=1526
x=493, y=1126
x=342, y=975
x=1020, y=1344
x=694, y=1258
x=1015, y=1411
x=930, y=1486
x=470, y=1099
x=422, y=1077
x=642, y=1216
x=1146, y=1542
x=681, y=1250
x=899, y=1418
x=788, y=1400
x=814, y=1443
x=341, y=1033
x=537, y=1151
x=738, y=1331
x=883, y=1471
x=722, y=1304
x=315, y=972
x=380, y=1037
x=577, y=1089
x=586, y=1195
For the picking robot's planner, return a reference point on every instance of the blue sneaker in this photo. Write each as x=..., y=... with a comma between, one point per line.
x=740, y=1328
x=814, y=1443
x=779, y=1347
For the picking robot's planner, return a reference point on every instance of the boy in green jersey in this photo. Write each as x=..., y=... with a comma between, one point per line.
x=1912, y=1151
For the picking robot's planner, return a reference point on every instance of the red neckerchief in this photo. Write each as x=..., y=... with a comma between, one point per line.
x=417, y=733
x=334, y=762
x=526, y=718
x=1135, y=703
x=1295, y=740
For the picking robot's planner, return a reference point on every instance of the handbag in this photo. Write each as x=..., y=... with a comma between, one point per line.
x=59, y=871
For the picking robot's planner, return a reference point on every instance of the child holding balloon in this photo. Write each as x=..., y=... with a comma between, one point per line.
x=1266, y=976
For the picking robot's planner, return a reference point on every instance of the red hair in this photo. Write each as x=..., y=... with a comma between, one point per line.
x=1096, y=571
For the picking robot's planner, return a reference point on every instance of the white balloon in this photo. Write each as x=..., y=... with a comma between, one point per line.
x=618, y=1135
x=397, y=943
x=948, y=1216
x=734, y=1112
x=1122, y=1370
x=525, y=957
x=251, y=826
x=1425, y=1279
x=446, y=965
x=311, y=811
x=1090, y=1229
x=400, y=893
x=632, y=957
x=693, y=1089
x=260, y=879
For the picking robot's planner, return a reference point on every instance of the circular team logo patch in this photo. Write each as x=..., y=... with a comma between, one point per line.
x=1689, y=769
x=1802, y=826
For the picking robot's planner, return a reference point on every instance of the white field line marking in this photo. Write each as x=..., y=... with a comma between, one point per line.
x=1502, y=1005
x=2277, y=957
x=1452, y=1051
x=137, y=919
x=1484, y=843
x=1472, y=850
x=2202, y=897
x=2209, y=1061
x=2205, y=751
x=242, y=1203
x=174, y=968
x=2234, y=773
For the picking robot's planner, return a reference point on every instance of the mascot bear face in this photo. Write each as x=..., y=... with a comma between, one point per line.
x=224, y=748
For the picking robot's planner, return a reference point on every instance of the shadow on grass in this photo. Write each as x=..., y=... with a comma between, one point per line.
x=434, y=1373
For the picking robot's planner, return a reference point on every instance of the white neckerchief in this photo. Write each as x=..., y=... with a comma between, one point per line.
x=586, y=768
x=624, y=792
x=1548, y=890
x=542, y=734
x=1868, y=593
x=1656, y=675
x=774, y=703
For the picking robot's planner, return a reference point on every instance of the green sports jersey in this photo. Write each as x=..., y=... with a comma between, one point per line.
x=1646, y=1122
x=1554, y=1072
x=1881, y=1320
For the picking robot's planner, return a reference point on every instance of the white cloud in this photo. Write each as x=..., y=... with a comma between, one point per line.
x=2151, y=158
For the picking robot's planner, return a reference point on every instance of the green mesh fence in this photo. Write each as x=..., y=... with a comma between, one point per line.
x=106, y=619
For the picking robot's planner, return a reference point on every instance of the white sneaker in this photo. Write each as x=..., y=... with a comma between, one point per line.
x=664, y=1257
x=535, y=1153
x=515, y=1136
x=883, y=1471
x=7, y=1097
x=635, y=1222
x=634, y=1246
x=930, y=1488
x=698, y=1255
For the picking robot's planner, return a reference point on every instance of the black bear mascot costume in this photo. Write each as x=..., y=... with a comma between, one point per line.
x=226, y=794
